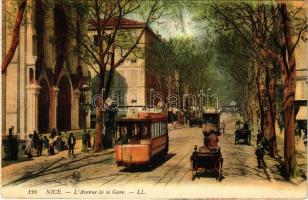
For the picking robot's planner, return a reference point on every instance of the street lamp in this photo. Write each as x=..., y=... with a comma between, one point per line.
x=85, y=103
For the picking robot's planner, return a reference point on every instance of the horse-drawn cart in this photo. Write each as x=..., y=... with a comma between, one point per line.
x=242, y=134
x=207, y=162
x=210, y=122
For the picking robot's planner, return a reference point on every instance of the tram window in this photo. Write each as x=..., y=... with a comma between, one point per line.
x=163, y=128
x=122, y=137
x=145, y=132
x=152, y=131
x=155, y=135
x=157, y=129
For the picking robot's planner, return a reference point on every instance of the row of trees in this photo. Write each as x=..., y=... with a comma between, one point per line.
x=181, y=65
x=263, y=37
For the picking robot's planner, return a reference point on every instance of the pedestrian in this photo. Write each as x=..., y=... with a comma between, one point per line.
x=174, y=119
x=237, y=124
x=45, y=143
x=305, y=136
x=28, y=150
x=39, y=146
x=58, y=142
x=12, y=145
x=71, y=145
x=223, y=125
x=35, y=139
x=89, y=139
x=260, y=152
x=54, y=133
x=51, y=145
x=298, y=133
x=84, y=141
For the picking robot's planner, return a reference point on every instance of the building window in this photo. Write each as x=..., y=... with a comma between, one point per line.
x=134, y=60
x=34, y=47
x=31, y=75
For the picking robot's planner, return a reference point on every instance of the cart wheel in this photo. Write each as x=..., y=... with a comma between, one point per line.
x=192, y=170
x=220, y=171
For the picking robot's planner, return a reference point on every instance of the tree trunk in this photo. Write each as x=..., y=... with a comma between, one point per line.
x=15, y=37
x=289, y=141
x=99, y=130
x=99, y=123
x=260, y=99
x=270, y=113
x=289, y=96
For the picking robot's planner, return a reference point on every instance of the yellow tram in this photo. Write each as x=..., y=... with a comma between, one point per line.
x=141, y=139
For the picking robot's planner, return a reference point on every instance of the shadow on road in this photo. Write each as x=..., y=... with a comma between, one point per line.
x=10, y=162
x=147, y=168
x=56, y=167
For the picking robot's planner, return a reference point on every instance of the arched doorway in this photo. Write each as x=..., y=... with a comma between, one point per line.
x=43, y=102
x=64, y=104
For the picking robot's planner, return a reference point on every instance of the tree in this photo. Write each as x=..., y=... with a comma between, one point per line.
x=100, y=58
x=286, y=60
x=15, y=36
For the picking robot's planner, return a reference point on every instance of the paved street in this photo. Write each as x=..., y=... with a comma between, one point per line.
x=240, y=168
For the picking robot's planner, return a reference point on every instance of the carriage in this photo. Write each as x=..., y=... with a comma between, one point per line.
x=210, y=123
x=207, y=162
x=242, y=134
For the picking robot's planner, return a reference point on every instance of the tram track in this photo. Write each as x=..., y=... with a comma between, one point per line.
x=179, y=165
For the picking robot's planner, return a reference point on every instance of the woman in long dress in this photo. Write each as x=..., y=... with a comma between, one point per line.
x=28, y=150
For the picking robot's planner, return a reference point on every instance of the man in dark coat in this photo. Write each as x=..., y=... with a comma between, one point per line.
x=260, y=152
x=89, y=139
x=35, y=139
x=39, y=145
x=71, y=145
x=12, y=145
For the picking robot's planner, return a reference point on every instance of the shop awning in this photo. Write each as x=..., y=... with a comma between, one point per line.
x=302, y=113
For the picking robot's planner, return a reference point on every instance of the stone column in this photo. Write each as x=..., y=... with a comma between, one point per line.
x=75, y=110
x=33, y=92
x=53, y=107
x=88, y=117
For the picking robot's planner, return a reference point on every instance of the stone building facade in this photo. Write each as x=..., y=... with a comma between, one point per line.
x=134, y=78
x=41, y=87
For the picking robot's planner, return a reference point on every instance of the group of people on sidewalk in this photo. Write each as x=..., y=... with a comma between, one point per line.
x=56, y=143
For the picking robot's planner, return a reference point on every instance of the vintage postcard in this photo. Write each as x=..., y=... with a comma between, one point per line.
x=147, y=99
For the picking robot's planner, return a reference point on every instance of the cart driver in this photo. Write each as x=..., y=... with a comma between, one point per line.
x=212, y=142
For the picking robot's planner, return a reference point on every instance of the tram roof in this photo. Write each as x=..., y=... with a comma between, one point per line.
x=144, y=117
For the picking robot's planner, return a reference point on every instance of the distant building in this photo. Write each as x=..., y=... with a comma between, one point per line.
x=301, y=93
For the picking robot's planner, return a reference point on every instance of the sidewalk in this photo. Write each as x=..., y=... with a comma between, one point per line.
x=275, y=164
x=12, y=170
